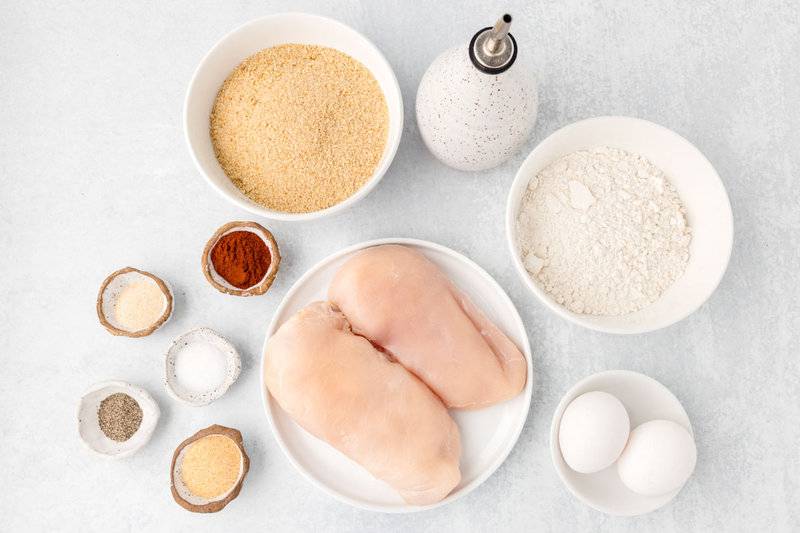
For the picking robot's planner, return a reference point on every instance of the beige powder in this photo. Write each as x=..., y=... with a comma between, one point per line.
x=139, y=305
x=211, y=466
x=298, y=128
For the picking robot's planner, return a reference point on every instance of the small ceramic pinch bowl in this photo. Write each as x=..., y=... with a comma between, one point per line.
x=708, y=212
x=89, y=425
x=197, y=398
x=265, y=32
x=218, y=282
x=181, y=493
x=645, y=399
x=112, y=287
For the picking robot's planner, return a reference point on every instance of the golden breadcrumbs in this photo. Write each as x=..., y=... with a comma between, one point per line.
x=299, y=128
x=211, y=466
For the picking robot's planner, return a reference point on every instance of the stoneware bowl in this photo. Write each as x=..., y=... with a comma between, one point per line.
x=110, y=290
x=181, y=493
x=645, y=399
x=218, y=282
x=89, y=427
x=198, y=398
x=708, y=211
x=263, y=33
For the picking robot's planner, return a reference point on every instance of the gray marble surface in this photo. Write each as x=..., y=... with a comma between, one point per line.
x=95, y=175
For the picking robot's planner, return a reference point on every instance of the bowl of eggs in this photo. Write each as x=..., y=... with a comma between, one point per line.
x=622, y=443
x=293, y=116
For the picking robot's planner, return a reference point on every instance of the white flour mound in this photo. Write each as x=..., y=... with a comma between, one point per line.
x=603, y=231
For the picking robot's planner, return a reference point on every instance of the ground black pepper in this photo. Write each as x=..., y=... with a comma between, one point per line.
x=119, y=416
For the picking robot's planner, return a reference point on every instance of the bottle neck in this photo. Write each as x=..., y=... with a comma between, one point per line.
x=493, y=50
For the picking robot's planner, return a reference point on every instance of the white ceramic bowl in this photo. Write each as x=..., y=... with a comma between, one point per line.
x=708, y=212
x=89, y=425
x=487, y=435
x=645, y=399
x=233, y=367
x=263, y=33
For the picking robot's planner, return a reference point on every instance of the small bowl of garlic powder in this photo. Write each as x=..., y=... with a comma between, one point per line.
x=208, y=469
x=619, y=225
x=293, y=116
x=133, y=303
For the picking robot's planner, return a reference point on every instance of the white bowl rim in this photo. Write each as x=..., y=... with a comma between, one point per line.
x=560, y=310
x=279, y=215
x=528, y=390
x=555, y=451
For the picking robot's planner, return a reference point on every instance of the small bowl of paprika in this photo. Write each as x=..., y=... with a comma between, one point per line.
x=241, y=259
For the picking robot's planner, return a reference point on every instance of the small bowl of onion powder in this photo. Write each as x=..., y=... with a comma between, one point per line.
x=133, y=303
x=293, y=116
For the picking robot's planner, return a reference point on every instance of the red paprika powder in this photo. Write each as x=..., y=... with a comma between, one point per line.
x=242, y=258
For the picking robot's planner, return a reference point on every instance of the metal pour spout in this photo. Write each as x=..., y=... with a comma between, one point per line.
x=497, y=35
x=493, y=50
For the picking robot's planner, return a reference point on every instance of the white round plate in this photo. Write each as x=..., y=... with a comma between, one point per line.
x=708, y=211
x=266, y=32
x=487, y=435
x=645, y=399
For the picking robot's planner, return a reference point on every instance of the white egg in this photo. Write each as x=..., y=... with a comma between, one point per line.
x=593, y=431
x=659, y=458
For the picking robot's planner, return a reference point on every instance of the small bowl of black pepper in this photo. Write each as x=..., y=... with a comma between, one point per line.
x=116, y=419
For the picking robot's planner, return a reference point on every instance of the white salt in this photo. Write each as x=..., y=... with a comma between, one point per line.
x=200, y=367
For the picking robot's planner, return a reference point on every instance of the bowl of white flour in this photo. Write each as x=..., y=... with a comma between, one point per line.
x=619, y=225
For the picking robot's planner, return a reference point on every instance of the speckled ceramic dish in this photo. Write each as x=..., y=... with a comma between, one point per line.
x=89, y=426
x=233, y=366
x=110, y=290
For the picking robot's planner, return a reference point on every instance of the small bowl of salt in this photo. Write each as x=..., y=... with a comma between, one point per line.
x=200, y=367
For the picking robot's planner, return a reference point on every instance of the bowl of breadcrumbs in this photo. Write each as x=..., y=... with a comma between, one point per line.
x=293, y=116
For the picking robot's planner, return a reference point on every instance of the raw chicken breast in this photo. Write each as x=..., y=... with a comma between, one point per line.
x=341, y=389
x=402, y=302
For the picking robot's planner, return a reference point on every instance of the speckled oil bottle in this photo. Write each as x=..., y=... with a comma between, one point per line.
x=476, y=104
